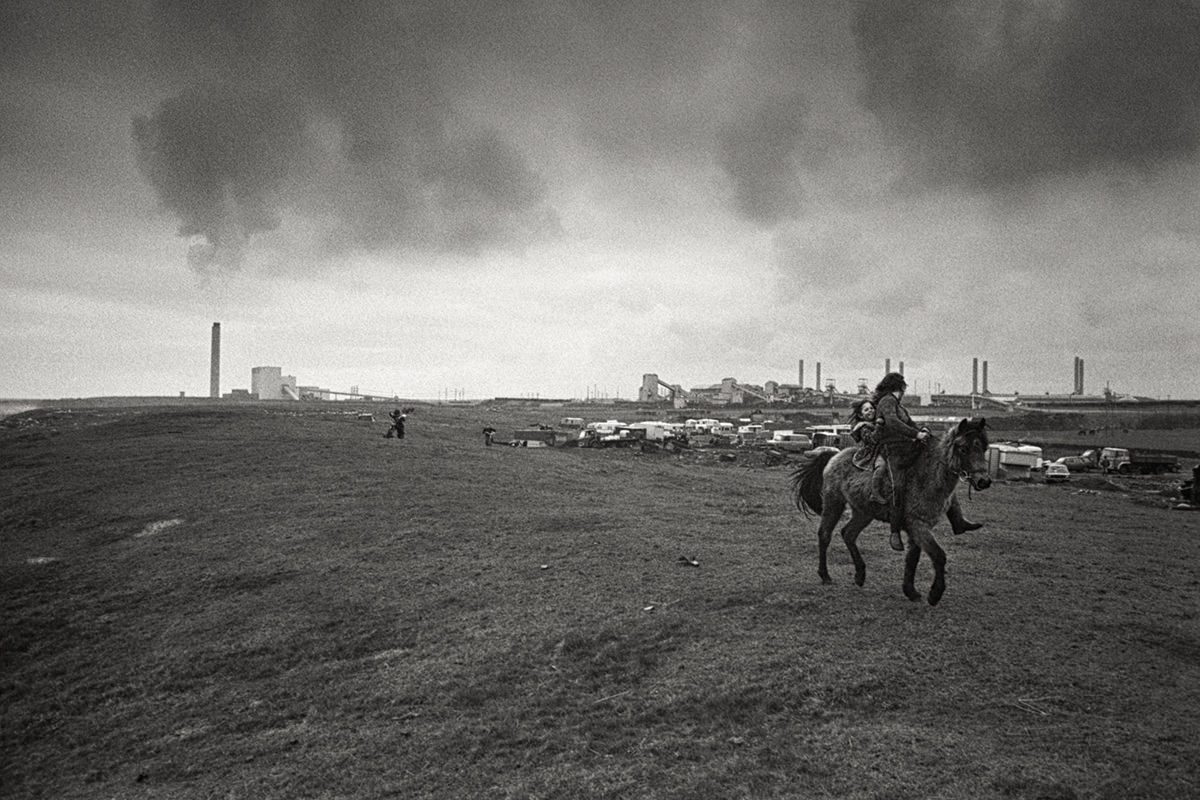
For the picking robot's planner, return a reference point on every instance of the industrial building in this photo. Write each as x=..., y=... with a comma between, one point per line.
x=269, y=383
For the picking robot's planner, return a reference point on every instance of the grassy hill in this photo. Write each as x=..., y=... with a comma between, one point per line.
x=278, y=602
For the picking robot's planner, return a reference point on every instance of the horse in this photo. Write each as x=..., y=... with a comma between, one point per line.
x=826, y=481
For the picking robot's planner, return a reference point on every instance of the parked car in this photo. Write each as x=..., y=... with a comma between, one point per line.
x=1088, y=460
x=1057, y=473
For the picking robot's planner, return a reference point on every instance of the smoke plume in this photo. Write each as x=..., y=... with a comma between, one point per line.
x=218, y=159
x=333, y=116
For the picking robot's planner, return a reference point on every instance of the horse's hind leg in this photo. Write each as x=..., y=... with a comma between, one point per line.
x=910, y=572
x=850, y=532
x=833, y=508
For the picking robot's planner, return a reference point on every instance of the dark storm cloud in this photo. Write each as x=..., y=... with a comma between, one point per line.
x=217, y=159
x=759, y=154
x=995, y=93
x=334, y=110
x=392, y=118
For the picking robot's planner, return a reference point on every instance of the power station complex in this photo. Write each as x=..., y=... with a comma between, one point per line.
x=730, y=392
x=269, y=383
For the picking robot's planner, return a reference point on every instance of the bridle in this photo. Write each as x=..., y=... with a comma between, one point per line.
x=956, y=466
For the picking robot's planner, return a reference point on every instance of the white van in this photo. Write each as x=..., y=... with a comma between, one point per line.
x=791, y=441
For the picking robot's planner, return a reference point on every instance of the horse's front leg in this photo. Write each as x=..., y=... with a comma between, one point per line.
x=910, y=570
x=921, y=538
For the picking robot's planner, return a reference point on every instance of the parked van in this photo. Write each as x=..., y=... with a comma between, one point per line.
x=791, y=441
x=656, y=431
x=830, y=436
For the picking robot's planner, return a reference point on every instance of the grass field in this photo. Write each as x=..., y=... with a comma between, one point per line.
x=265, y=603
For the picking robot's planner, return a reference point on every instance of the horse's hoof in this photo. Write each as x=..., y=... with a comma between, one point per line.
x=912, y=594
x=860, y=578
x=935, y=596
x=825, y=579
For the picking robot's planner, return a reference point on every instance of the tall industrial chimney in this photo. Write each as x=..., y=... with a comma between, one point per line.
x=802, y=373
x=985, y=389
x=974, y=376
x=819, y=387
x=887, y=366
x=901, y=370
x=214, y=378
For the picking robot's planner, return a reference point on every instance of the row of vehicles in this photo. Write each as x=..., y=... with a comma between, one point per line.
x=1119, y=460
x=709, y=431
x=1116, y=460
x=706, y=431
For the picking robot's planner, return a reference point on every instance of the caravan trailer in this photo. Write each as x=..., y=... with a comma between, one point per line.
x=1013, y=460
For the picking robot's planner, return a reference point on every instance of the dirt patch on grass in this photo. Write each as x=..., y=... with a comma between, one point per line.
x=155, y=528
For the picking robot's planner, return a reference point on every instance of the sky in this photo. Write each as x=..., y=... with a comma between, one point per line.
x=549, y=199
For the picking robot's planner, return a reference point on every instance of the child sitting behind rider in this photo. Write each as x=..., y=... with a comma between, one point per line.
x=865, y=432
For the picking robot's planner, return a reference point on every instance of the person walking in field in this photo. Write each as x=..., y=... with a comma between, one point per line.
x=397, y=428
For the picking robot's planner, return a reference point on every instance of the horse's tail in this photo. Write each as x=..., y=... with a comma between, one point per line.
x=808, y=479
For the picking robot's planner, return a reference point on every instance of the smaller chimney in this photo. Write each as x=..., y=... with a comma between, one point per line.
x=974, y=376
x=887, y=366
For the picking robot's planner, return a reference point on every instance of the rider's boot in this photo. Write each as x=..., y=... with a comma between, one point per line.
x=958, y=523
x=896, y=513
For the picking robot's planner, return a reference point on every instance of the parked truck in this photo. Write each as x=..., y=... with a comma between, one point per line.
x=1127, y=462
x=1121, y=460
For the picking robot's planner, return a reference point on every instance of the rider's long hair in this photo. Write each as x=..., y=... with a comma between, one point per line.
x=892, y=382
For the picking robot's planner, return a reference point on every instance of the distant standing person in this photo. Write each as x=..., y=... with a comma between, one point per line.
x=489, y=433
x=397, y=428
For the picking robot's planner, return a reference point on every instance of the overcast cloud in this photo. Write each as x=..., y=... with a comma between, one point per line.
x=552, y=198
